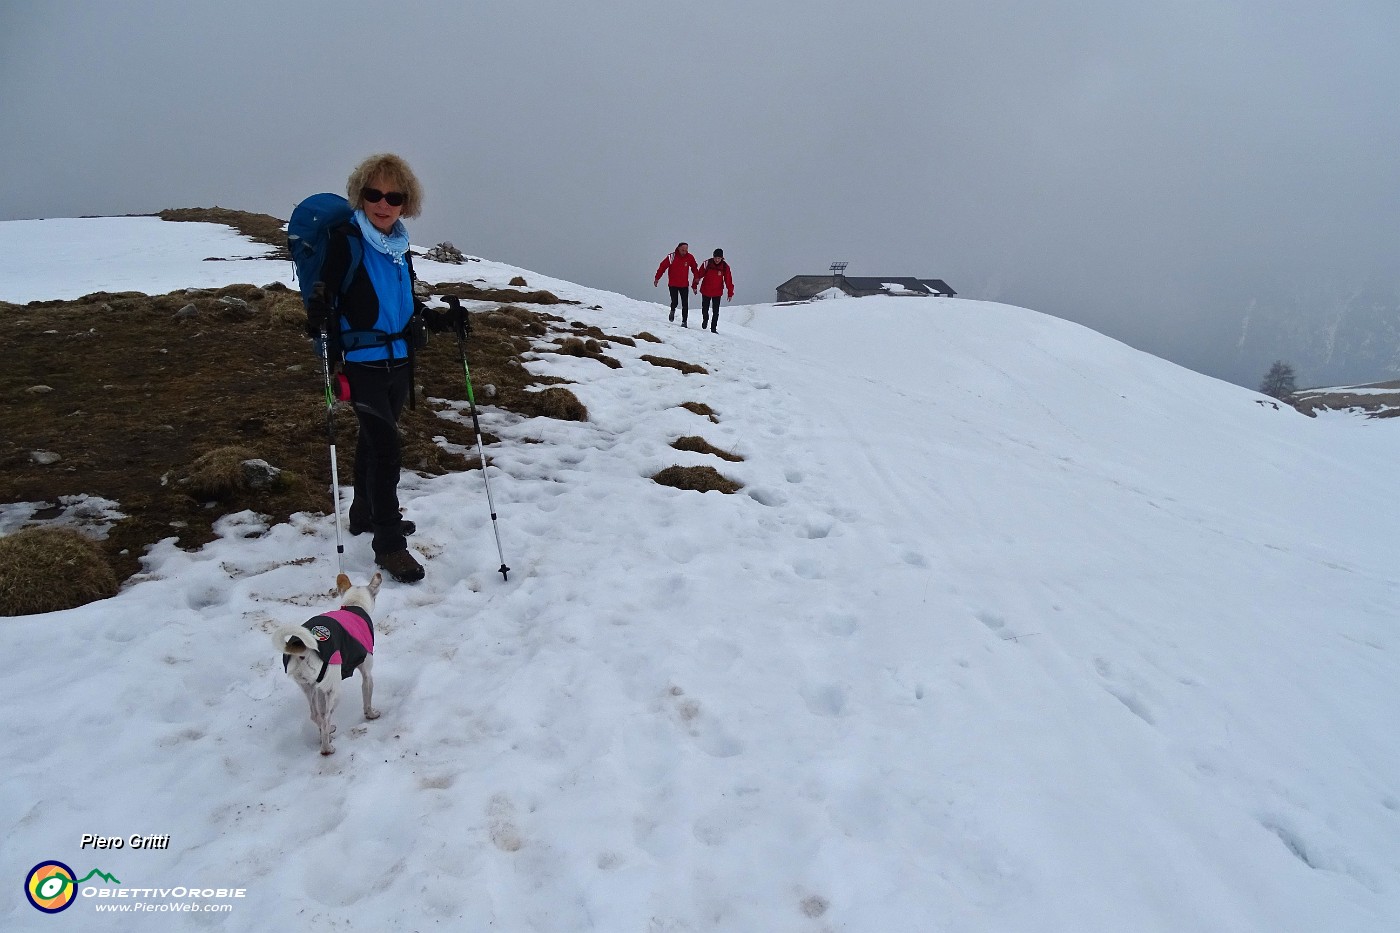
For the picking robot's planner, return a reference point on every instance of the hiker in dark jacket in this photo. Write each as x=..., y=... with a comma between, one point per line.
x=711, y=281
x=372, y=323
x=682, y=266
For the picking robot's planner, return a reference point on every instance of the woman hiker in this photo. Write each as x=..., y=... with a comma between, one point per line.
x=682, y=266
x=371, y=321
x=711, y=281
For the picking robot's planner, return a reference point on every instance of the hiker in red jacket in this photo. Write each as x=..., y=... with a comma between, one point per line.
x=710, y=281
x=682, y=266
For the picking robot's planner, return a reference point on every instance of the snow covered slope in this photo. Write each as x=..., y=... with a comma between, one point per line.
x=1012, y=628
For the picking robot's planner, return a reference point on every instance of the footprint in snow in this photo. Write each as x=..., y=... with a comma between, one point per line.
x=993, y=621
x=719, y=825
x=500, y=815
x=766, y=496
x=682, y=552
x=839, y=623
x=708, y=734
x=436, y=782
x=719, y=653
x=1123, y=693
x=826, y=700
x=206, y=597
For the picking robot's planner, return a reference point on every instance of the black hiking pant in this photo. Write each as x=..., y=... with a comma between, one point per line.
x=378, y=391
x=709, y=306
x=679, y=292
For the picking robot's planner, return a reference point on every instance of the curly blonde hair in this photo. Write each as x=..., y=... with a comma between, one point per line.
x=396, y=171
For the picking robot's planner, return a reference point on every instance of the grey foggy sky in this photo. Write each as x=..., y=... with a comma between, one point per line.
x=1146, y=169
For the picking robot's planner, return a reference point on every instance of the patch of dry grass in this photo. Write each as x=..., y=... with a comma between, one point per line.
x=587, y=349
x=420, y=452
x=219, y=474
x=700, y=408
x=503, y=295
x=582, y=330
x=48, y=569
x=690, y=369
x=698, y=478
x=553, y=402
x=698, y=445
x=533, y=322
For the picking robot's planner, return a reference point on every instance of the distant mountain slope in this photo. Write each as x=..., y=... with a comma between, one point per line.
x=1332, y=337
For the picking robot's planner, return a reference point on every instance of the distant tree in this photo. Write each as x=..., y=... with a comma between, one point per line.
x=1279, y=382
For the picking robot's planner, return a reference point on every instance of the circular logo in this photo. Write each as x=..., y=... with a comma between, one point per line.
x=50, y=887
x=321, y=632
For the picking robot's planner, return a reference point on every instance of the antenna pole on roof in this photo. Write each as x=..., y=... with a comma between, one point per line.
x=837, y=269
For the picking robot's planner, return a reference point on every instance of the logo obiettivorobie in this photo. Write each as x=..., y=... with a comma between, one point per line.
x=52, y=886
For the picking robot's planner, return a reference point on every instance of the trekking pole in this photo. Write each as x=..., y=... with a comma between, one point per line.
x=330, y=438
x=464, y=327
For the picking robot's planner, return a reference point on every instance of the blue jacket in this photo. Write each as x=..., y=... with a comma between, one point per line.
x=369, y=322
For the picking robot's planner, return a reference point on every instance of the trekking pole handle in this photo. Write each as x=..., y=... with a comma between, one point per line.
x=455, y=304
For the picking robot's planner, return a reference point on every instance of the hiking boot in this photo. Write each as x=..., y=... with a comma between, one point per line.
x=713, y=330
x=406, y=527
x=704, y=323
x=401, y=566
x=673, y=314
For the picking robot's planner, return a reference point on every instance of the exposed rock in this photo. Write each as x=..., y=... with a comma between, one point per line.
x=236, y=309
x=44, y=457
x=187, y=313
x=260, y=474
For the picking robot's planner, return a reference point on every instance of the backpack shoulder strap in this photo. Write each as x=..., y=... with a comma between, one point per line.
x=354, y=251
x=357, y=255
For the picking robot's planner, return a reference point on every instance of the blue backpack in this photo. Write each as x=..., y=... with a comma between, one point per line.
x=308, y=239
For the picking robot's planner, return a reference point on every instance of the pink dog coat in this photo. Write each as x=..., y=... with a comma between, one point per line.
x=344, y=637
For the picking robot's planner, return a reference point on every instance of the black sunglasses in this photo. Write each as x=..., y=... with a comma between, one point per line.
x=374, y=196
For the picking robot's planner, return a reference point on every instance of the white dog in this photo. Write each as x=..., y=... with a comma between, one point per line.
x=344, y=638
